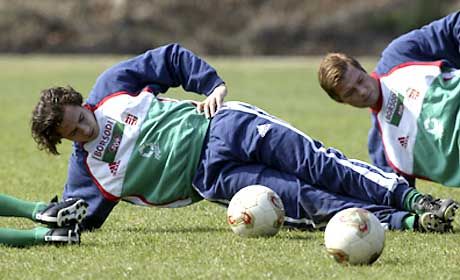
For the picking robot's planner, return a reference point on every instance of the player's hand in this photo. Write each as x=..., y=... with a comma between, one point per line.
x=213, y=102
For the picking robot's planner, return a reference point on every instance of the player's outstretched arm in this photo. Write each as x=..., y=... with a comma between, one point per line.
x=161, y=68
x=439, y=40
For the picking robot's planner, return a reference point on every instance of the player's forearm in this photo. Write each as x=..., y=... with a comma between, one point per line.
x=159, y=69
x=439, y=40
x=190, y=71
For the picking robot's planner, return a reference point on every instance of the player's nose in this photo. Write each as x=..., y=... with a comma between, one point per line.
x=362, y=92
x=85, y=130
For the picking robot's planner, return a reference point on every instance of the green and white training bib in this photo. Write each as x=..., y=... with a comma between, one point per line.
x=147, y=149
x=419, y=121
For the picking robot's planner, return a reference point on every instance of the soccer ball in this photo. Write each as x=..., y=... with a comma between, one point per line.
x=354, y=236
x=255, y=211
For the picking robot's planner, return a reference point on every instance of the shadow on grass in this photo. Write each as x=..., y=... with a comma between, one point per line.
x=198, y=229
x=388, y=260
x=294, y=235
x=99, y=240
x=299, y=237
x=291, y=234
x=300, y=234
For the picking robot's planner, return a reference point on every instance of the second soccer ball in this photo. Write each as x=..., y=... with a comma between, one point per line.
x=255, y=211
x=354, y=236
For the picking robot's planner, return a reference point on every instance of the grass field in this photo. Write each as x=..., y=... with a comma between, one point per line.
x=195, y=242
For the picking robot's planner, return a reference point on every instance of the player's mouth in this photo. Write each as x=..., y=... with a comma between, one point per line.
x=90, y=136
x=366, y=98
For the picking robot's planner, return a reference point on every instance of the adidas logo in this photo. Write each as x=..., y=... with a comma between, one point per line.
x=403, y=140
x=263, y=129
x=113, y=167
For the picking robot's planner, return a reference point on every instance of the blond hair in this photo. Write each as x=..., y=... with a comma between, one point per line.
x=331, y=71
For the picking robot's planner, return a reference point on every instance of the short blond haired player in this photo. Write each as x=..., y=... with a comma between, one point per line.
x=414, y=97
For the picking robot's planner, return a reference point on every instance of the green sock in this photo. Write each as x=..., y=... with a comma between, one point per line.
x=21, y=238
x=408, y=222
x=409, y=201
x=14, y=207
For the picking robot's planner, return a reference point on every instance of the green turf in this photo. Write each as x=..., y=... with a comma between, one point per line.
x=195, y=242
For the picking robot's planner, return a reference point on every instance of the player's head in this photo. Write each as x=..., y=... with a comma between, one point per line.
x=346, y=81
x=58, y=115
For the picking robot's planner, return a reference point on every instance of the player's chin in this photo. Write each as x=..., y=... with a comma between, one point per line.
x=358, y=105
x=364, y=103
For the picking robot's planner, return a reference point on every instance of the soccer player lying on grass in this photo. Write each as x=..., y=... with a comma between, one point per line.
x=414, y=96
x=62, y=219
x=131, y=144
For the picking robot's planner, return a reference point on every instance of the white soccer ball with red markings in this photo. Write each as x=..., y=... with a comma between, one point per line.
x=354, y=236
x=255, y=211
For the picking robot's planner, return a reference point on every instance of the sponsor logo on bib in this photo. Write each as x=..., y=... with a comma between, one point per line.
x=434, y=126
x=131, y=119
x=108, y=144
x=394, y=109
x=412, y=93
x=148, y=150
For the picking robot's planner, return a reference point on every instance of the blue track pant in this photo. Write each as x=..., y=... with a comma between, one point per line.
x=247, y=146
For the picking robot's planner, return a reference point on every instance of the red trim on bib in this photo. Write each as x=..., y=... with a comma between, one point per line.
x=392, y=165
x=437, y=63
x=106, y=194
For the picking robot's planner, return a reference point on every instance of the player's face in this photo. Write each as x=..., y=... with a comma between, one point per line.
x=358, y=88
x=78, y=124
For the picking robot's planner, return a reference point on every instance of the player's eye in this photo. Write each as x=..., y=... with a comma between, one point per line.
x=348, y=94
x=81, y=117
